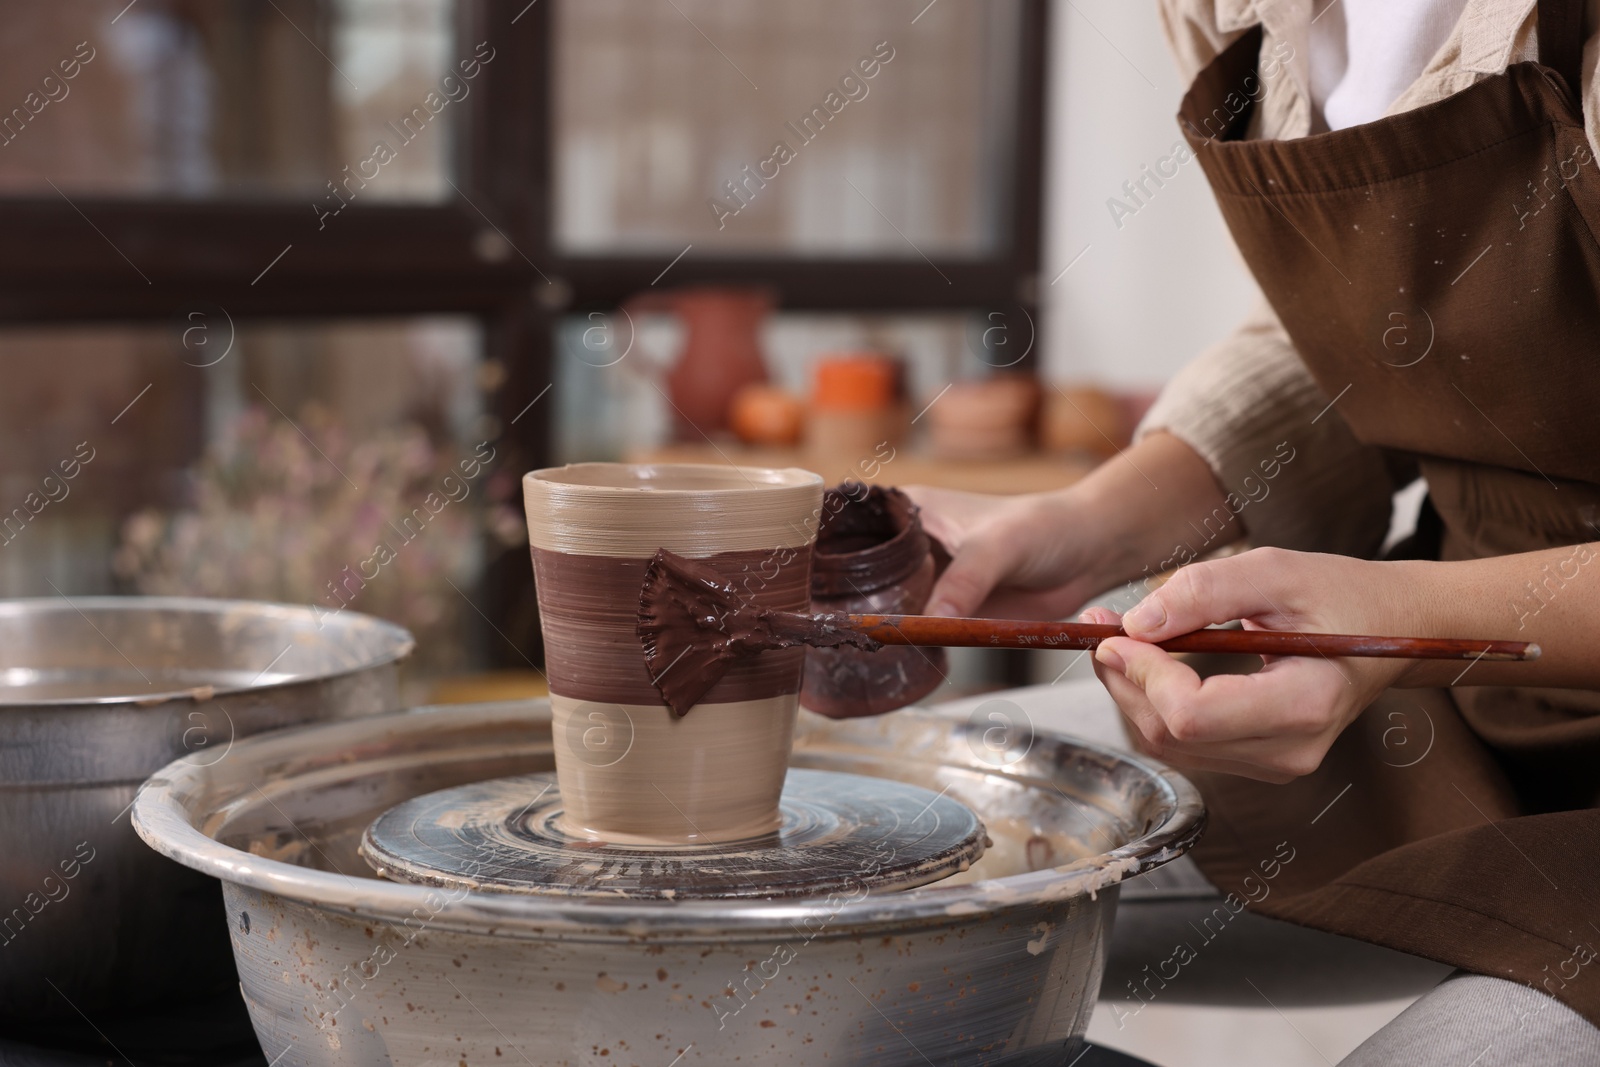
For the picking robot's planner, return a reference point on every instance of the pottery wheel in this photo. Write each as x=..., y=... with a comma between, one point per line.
x=839, y=833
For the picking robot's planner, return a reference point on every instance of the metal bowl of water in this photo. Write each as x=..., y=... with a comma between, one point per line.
x=1000, y=964
x=96, y=693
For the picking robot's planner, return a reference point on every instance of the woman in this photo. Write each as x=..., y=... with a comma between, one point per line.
x=1414, y=189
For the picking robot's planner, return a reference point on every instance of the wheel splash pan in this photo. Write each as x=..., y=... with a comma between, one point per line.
x=1000, y=964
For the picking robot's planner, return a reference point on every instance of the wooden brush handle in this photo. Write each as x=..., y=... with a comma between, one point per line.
x=1003, y=633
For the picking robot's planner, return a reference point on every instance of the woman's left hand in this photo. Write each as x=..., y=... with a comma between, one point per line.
x=1278, y=723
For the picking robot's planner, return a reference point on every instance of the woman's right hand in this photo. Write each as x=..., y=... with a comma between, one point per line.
x=1010, y=556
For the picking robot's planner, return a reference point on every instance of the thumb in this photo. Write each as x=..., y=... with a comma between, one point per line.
x=1167, y=683
x=966, y=583
x=1204, y=594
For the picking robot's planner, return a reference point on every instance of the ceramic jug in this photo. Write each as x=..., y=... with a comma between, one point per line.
x=721, y=351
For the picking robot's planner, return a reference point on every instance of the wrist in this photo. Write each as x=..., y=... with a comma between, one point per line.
x=1091, y=524
x=1410, y=593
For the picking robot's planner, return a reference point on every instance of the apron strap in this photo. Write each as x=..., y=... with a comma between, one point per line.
x=1561, y=40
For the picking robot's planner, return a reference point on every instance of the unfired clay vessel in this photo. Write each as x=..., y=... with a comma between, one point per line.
x=721, y=350
x=629, y=770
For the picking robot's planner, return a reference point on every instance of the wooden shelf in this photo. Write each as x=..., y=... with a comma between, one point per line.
x=1023, y=474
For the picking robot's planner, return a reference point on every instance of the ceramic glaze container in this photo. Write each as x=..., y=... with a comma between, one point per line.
x=872, y=557
x=631, y=771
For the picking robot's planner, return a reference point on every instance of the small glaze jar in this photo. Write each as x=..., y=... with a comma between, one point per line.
x=871, y=557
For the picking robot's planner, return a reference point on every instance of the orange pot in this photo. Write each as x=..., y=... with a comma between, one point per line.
x=767, y=415
x=856, y=381
x=857, y=405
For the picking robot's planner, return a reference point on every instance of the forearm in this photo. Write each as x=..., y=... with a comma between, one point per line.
x=1154, y=507
x=1550, y=597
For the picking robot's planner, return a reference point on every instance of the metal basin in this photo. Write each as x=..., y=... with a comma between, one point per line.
x=97, y=693
x=1001, y=964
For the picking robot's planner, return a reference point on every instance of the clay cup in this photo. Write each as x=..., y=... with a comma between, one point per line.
x=629, y=770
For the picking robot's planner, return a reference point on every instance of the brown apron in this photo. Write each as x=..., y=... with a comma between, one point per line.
x=1456, y=824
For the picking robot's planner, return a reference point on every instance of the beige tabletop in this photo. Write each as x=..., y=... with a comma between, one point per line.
x=1028, y=473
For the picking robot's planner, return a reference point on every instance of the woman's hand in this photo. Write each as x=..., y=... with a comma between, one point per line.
x=1043, y=555
x=1011, y=556
x=1278, y=723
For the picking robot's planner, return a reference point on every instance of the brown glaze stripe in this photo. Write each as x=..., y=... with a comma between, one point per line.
x=590, y=609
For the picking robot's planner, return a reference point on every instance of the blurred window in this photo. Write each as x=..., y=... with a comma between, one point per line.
x=223, y=98
x=396, y=210
x=827, y=127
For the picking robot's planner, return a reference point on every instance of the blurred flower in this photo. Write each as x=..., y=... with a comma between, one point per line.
x=273, y=520
x=509, y=525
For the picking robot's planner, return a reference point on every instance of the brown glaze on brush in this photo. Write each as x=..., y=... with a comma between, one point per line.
x=693, y=626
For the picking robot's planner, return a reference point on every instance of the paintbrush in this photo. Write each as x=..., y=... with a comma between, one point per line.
x=694, y=625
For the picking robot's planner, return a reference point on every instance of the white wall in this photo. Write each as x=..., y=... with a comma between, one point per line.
x=1144, y=298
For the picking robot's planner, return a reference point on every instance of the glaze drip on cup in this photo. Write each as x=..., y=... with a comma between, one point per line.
x=630, y=771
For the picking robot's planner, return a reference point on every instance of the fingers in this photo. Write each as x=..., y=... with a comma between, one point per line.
x=1216, y=591
x=1147, y=690
x=966, y=583
x=941, y=512
x=975, y=569
x=1274, y=725
x=1258, y=758
x=985, y=553
x=1260, y=767
x=1287, y=699
x=1171, y=687
x=1011, y=556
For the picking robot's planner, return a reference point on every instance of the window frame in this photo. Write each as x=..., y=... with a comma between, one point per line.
x=137, y=260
